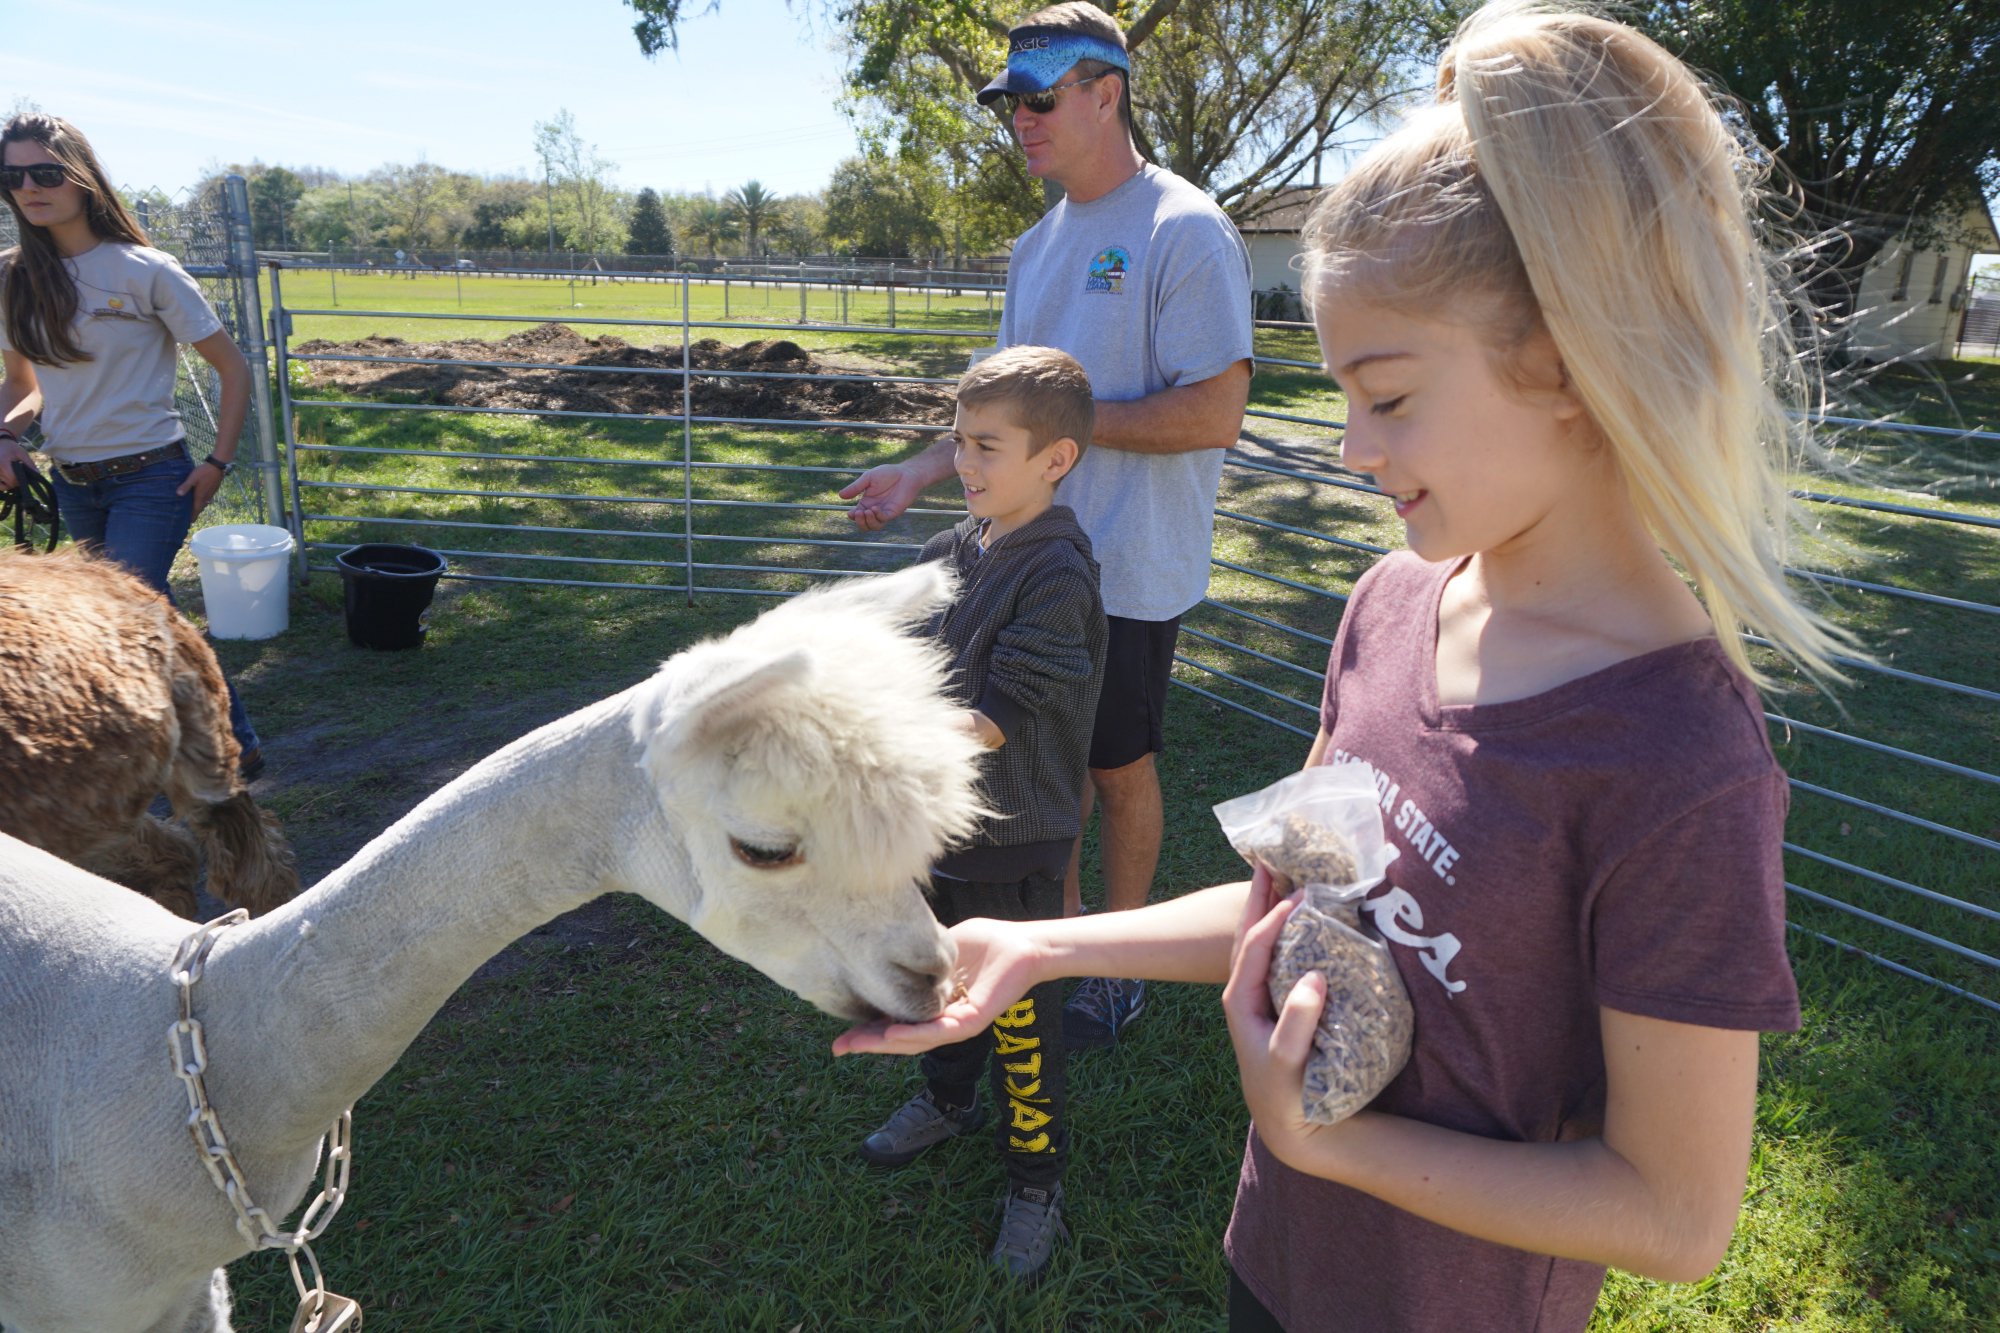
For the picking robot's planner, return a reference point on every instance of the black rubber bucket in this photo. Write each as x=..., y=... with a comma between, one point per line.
x=388, y=591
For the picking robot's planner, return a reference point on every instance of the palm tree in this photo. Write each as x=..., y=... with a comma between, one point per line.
x=712, y=222
x=753, y=206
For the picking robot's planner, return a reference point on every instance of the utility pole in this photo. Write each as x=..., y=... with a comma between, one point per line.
x=957, y=216
x=549, y=194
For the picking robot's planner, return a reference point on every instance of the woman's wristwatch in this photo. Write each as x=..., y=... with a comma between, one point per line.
x=221, y=465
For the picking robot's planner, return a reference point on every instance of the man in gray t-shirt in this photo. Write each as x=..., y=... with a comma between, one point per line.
x=1141, y=278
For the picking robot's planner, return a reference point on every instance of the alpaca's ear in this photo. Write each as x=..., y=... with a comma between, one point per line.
x=915, y=592
x=905, y=597
x=912, y=594
x=713, y=716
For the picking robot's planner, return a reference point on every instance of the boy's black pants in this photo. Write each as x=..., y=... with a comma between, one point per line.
x=1022, y=1052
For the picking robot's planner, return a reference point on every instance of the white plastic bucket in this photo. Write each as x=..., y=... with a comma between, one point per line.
x=243, y=580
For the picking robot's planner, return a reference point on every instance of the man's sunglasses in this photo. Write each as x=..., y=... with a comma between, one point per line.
x=48, y=175
x=1043, y=102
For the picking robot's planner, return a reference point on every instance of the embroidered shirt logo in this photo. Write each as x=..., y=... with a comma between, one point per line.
x=1107, y=271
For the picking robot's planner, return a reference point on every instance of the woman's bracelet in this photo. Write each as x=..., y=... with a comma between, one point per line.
x=221, y=465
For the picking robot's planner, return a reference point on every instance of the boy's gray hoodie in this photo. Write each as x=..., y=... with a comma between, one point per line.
x=1026, y=634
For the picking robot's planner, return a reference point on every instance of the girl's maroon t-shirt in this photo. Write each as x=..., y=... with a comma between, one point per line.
x=1614, y=842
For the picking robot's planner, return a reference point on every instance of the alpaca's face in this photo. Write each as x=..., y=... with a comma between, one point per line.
x=810, y=769
x=775, y=891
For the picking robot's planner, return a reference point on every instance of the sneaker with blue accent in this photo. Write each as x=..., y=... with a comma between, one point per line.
x=1101, y=1009
x=1029, y=1228
x=919, y=1124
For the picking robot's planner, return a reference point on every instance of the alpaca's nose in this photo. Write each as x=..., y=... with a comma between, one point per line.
x=926, y=988
x=929, y=977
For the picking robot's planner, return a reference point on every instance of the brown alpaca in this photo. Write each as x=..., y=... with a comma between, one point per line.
x=109, y=697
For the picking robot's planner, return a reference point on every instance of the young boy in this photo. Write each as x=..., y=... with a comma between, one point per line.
x=1026, y=633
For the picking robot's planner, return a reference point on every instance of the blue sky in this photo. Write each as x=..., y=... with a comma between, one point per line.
x=752, y=93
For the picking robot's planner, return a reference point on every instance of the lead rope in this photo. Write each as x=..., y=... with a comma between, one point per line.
x=32, y=505
x=320, y=1311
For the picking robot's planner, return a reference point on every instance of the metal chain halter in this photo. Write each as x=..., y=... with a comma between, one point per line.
x=190, y=1056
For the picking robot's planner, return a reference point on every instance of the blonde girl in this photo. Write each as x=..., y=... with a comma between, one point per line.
x=1547, y=303
x=90, y=314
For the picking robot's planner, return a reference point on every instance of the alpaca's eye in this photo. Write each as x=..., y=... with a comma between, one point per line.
x=765, y=858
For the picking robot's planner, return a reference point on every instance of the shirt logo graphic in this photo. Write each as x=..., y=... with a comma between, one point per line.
x=1107, y=271
x=1398, y=916
x=115, y=303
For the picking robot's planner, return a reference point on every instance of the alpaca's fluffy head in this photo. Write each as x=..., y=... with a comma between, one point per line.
x=812, y=768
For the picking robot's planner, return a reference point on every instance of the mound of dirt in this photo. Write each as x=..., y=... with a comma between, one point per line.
x=568, y=383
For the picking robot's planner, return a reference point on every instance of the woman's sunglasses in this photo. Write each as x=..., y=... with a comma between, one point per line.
x=1043, y=102
x=48, y=175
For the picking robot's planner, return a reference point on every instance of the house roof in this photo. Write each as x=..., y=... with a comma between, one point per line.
x=1285, y=212
x=1992, y=232
x=1973, y=232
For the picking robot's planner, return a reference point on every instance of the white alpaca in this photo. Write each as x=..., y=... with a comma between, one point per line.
x=782, y=790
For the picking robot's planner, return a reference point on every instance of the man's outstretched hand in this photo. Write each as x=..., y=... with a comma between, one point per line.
x=880, y=494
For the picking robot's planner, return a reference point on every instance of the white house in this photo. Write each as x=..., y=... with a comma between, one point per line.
x=1273, y=241
x=1912, y=299
x=1910, y=306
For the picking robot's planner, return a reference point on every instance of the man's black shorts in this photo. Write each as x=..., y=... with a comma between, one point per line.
x=1132, y=706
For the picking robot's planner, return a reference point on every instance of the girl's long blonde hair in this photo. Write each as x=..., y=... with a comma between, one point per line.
x=1575, y=178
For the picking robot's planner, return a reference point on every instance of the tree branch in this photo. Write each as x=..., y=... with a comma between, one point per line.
x=1142, y=27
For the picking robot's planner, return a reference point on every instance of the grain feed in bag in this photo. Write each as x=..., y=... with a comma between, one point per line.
x=1320, y=831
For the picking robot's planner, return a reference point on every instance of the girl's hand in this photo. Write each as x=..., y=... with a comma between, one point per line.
x=204, y=481
x=1271, y=1047
x=12, y=456
x=997, y=965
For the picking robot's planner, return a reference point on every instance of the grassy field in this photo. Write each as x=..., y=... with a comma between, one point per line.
x=975, y=310
x=622, y=1129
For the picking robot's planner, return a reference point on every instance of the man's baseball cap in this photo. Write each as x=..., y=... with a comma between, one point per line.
x=1038, y=56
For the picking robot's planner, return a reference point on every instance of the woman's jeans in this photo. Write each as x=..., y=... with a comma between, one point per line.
x=137, y=520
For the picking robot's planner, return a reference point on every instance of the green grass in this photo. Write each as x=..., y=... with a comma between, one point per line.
x=543, y=299
x=1958, y=395
x=645, y=1134
x=1934, y=393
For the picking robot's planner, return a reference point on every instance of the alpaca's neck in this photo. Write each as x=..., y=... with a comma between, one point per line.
x=307, y=1007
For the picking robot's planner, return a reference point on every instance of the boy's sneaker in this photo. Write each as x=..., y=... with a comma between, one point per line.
x=919, y=1123
x=1028, y=1232
x=1100, y=1010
